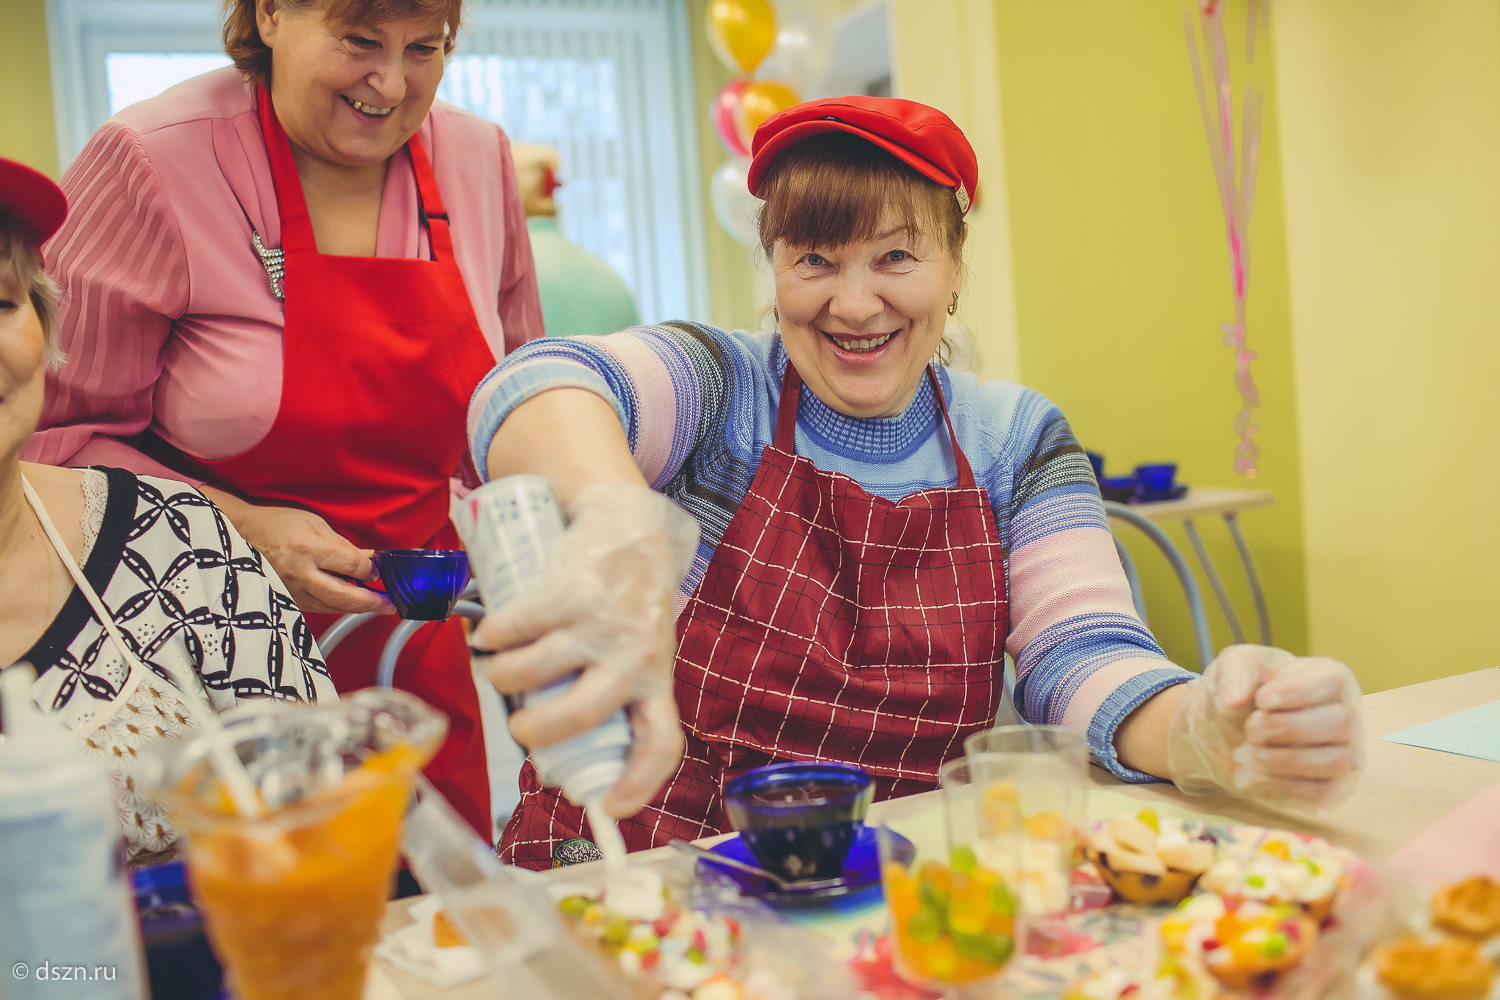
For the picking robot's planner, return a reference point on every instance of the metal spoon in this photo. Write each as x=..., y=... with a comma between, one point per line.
x=784, y=885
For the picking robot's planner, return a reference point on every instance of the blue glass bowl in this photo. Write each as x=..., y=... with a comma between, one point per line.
x=179, y=961
x=423, y=584
x=1117, y=488
x=800, y=819
x=1153, y=479
x=1097, y=461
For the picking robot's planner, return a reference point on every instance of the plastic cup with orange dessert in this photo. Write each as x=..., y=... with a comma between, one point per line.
x=292, y=898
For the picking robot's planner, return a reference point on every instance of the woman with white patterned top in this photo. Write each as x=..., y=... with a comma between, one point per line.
x=186, y=596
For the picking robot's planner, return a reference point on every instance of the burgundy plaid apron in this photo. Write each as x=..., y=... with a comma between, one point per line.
x=830, y=625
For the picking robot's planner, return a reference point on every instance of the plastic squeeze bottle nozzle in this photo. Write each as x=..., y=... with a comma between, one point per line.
x=67, y=921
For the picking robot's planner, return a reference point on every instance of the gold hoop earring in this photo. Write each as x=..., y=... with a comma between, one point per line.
x=953, y=307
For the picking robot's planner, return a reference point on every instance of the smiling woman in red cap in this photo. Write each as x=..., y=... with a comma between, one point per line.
x=130, y=595
x=876, y=530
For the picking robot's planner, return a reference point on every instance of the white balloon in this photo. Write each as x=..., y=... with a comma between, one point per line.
x=737, y=210
x=801, y=56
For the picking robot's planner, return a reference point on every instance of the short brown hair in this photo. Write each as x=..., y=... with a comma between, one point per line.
x=17, y=250
x=835, y=188
x=242, y=41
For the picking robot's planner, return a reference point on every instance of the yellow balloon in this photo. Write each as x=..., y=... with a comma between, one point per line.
x=741, y=32
x=759, y=101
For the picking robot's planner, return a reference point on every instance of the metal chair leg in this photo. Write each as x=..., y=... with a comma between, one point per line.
x=1254, y=578
x=1133, y=578
x=1210, y=571
x=1184, y=575
x=339, y=631
x=471, y=610
x=385, y=671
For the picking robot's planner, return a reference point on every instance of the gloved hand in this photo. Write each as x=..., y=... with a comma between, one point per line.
x=607, y=607
x=1266, y=725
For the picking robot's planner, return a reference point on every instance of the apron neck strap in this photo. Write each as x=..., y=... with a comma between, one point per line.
x=429, y=203
x=296, y=225
x=786, y=410
x=791, y=396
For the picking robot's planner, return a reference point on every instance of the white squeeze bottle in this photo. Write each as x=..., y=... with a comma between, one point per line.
x=67, y=922
x=510, y=527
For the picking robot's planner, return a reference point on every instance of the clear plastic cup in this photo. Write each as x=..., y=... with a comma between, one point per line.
x=1034, y=794
x=293, y=899
x=954, y=918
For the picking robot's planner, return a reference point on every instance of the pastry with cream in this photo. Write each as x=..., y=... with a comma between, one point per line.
x=1149, y=860
x=1244, y=945
x=1281, y=872
x=1127, y=984
x=1468, y=909
x=1418, y=968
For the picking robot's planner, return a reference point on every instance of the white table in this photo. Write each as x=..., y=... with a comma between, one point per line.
x=1403, y=791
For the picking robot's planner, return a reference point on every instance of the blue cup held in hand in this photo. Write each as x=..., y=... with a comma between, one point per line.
x=423, y=584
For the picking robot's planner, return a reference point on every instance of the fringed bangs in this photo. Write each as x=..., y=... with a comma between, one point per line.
x=836, y=188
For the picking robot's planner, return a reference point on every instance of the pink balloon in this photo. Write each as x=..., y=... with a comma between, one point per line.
x=726, y=103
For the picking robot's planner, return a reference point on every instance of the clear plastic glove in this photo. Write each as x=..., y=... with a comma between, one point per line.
x=607, y=607
x=1266, y=725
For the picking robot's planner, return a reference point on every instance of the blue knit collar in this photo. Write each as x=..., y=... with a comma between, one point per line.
x=866, y=439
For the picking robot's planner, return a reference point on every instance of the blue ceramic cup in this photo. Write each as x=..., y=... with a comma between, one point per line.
x=1155, y=479
x=800, y=819
x=423, y=584
x=179, y=961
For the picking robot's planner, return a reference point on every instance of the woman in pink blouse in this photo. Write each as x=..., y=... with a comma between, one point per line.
x=282, y=282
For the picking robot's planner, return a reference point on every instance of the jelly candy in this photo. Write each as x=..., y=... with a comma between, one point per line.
x=951, y=924
x=925, y=926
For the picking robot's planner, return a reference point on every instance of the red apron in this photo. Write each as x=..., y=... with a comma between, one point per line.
x=831, y=625
x=381, y=355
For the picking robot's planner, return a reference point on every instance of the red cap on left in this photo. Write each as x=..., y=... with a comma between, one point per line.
x=29, y=195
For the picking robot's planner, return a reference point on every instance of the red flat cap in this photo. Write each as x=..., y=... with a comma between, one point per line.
x=923, y=138
x=29, y=195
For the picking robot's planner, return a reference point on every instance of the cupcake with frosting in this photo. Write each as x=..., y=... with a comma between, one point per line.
x=1145, y=859
x=1244, y=945
x=1306, y=875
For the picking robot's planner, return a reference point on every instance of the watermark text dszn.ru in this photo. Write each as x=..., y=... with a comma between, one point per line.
x=48, y=971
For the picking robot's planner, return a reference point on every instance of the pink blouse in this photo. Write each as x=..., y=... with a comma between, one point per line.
x=167, y=314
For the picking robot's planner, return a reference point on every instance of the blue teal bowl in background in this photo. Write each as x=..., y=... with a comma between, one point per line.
x=1097, y=461
x=1155, y=479
x=800, y=819
x=1117, y=488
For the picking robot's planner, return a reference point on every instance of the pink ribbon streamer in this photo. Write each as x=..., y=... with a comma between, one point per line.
x=1235, y=169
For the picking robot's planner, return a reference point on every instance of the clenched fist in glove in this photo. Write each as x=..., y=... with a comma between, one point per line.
x=606, y=608
x=1266, y=725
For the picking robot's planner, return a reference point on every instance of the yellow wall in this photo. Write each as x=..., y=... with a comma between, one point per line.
x=1392, y=161
x=946, y=57
x=27, y=132
x=1122, y=277
x=731, y=268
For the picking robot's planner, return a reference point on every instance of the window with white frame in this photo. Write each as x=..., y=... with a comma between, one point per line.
x=608, y=82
